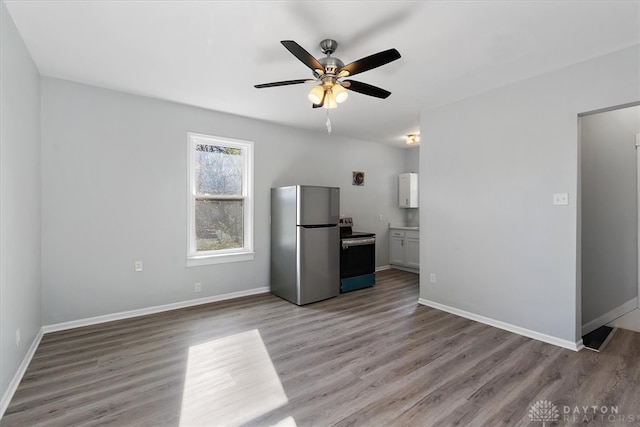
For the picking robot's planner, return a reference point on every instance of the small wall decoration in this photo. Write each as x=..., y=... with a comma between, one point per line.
x=358, y=178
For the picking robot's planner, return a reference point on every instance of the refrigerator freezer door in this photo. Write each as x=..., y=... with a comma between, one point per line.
x=318, y=260
x=318, y=205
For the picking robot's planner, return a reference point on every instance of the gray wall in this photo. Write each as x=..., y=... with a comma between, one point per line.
x=115, y=190
x=412, y=159
x=609, y=209
x=19, y=199
x=490, y=165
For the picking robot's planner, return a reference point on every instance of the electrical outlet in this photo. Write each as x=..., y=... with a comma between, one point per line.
x=432, y=278
x=198, y=287
x=380, y=217
x=561, y=199
x=18, y=337
x=137, y=266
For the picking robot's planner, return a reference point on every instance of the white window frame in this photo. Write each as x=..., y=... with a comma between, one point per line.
x=195, y=258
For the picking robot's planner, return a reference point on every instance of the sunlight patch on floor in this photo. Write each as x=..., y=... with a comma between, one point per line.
x=230, y=381
x=287, y=422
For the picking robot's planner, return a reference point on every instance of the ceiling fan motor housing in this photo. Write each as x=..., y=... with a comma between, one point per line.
x=331, y=67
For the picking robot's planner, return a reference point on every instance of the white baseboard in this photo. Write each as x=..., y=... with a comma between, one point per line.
x=151, y=310
x=629, y=321
x=384, y=267
x=575, y=346
x=15, y=381
x=610, y=316
x=408, y=269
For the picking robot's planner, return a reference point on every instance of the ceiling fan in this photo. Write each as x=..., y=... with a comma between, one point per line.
x=330, y=73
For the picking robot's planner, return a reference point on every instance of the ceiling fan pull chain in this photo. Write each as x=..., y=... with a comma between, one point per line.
x=328, y=122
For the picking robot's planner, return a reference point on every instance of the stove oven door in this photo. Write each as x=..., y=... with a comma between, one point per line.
x=357, y=256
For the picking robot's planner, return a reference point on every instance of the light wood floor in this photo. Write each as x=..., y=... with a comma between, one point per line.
x=367, y=358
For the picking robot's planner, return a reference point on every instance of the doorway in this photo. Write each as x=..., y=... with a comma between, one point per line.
x=608, y=218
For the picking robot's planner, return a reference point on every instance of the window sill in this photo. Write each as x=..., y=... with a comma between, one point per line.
x=196, y=261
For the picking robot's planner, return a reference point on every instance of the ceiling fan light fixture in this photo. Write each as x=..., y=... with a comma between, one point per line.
x=316, y=93
x=330, y=100
x=339, y=93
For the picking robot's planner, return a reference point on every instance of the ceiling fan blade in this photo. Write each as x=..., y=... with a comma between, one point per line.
x=305, y=57
x=321, y=101
x=370, y=62
x=283, y=83
x=366, y=89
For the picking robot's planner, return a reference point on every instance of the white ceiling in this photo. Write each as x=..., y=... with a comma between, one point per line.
x=211, y=53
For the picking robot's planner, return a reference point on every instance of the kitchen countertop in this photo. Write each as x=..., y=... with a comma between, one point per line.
x=400, y=227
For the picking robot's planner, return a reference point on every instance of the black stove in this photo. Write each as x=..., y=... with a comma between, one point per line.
x=357, y=257
x=354, y=234
x=346, y=229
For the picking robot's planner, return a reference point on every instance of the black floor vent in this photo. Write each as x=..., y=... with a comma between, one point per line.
x=598, y=339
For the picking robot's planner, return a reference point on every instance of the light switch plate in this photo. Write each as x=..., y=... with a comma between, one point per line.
x=561, y=199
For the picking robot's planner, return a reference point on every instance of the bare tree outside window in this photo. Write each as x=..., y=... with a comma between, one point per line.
x=219, y=209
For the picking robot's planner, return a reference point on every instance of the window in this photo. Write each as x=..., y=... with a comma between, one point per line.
x=220, y=200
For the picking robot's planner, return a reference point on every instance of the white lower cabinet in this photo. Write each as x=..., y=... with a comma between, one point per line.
x=412, y=252
x=405, y=249
x=397, y=248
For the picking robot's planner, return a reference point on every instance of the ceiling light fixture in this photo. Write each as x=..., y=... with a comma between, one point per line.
x=329, y=100
x=316, y=94
x=340, y=93
x=332, y=94
x=413, y=138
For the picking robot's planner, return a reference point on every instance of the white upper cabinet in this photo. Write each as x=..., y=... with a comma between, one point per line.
x=408, y=190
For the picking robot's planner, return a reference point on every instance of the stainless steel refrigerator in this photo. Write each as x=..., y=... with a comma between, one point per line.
x=305, y=243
